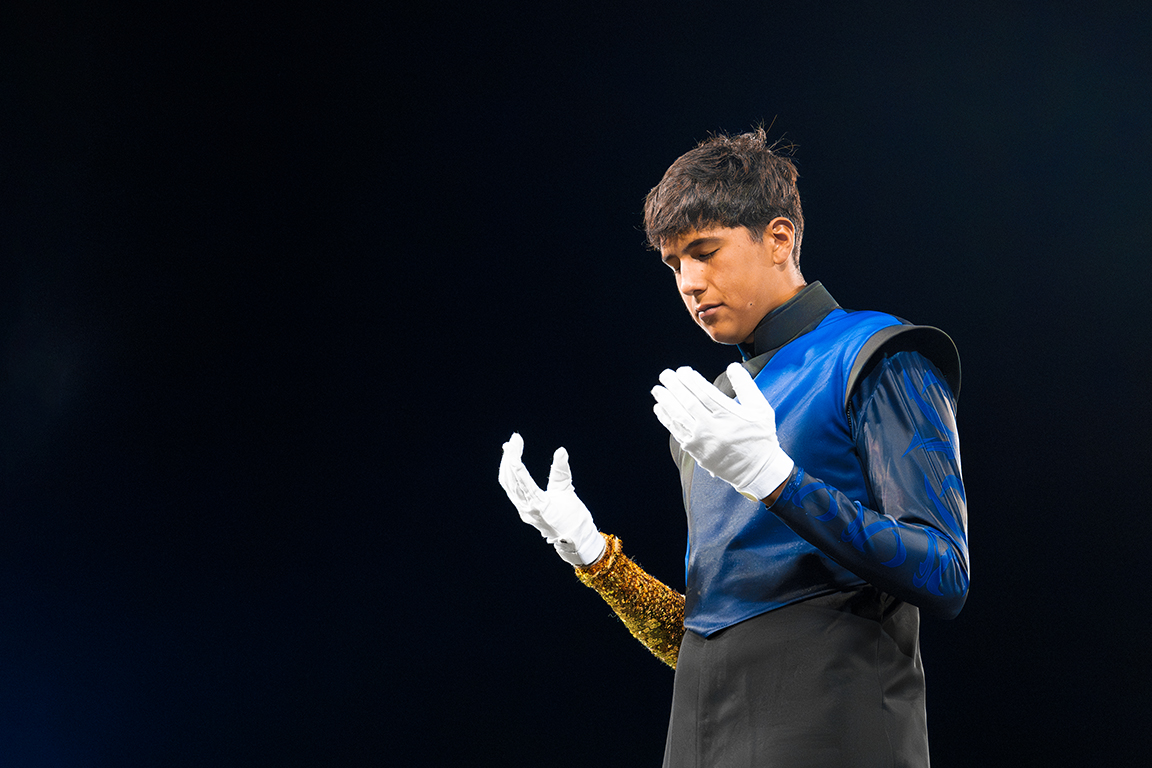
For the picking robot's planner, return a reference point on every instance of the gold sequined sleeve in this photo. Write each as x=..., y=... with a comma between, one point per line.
x=652, y=611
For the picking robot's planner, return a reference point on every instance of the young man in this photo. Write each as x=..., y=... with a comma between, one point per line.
x=825, y=503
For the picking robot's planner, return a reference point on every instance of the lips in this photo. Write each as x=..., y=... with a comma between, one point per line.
x=705, y=311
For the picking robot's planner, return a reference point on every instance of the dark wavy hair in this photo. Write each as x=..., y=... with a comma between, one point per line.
x=725, y=181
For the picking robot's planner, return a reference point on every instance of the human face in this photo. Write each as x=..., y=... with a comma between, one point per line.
x=728, y=281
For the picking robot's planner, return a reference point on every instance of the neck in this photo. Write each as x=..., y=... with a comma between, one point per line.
x=798, y=314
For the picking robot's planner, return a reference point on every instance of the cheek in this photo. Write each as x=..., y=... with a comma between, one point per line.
x=749, y=300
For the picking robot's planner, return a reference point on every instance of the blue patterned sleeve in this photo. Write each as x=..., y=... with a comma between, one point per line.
x=911, y=540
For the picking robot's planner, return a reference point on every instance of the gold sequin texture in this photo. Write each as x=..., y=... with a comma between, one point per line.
x=652, y=611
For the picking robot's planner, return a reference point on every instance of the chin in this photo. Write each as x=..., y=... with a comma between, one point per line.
x=723, y=338
x=723, y=333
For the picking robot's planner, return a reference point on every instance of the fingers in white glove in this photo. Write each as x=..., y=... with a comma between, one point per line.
x=672, y=414
x=693, y=388
x=560, y=475
x=510, y=463
x=579, y=542
x=710, y=398
x=746, y=390
x=686, y=398
x=522, y=490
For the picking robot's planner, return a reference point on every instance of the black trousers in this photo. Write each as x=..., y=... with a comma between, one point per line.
x=827, y=682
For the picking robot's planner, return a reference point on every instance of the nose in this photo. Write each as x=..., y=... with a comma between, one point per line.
x=691, y=277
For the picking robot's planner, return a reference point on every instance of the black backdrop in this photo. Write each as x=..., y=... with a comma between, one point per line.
x=277, y=283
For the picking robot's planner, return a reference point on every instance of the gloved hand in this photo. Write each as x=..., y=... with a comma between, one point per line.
x=557, y=513
x=734, y=441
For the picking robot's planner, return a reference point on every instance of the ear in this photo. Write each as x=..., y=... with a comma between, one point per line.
x=780, y=234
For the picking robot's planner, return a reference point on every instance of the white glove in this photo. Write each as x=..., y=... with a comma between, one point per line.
x=734, y=441
x=557, y=513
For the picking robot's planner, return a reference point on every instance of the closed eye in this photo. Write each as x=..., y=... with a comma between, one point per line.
x=674, y=263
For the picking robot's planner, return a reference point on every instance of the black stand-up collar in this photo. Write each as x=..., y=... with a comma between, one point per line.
x=795, y=317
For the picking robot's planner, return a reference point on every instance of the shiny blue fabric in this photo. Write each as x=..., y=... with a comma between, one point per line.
x=742, y=560
x=876, y=496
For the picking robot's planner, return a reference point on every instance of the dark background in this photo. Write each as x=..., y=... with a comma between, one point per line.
x=275, y=285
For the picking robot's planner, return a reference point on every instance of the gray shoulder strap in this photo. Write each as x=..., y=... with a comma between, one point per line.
x=931, y=342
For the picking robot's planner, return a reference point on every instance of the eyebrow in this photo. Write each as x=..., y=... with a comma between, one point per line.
x=697, y=242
